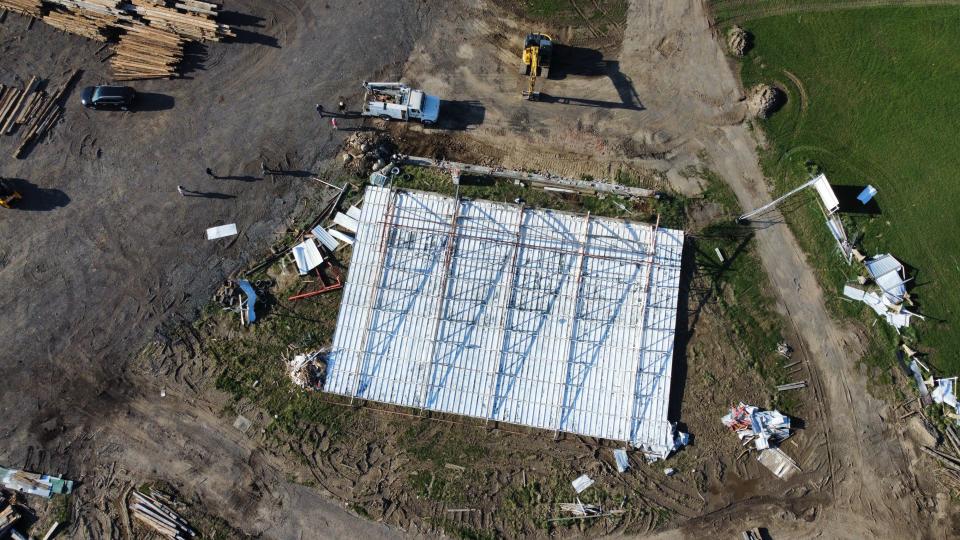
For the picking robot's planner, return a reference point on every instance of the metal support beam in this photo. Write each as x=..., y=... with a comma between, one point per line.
x=584, y=238
x=504, y=307
x=444, y=278
x=643, y=324
x=384, y=248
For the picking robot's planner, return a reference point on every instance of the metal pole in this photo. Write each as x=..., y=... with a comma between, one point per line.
x=777, y=201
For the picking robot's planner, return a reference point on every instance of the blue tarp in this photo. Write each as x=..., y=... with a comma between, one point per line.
x=251, y=299
x=867, y=194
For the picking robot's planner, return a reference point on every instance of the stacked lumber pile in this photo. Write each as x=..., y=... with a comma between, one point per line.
x=198, y=23
x=31, y=8
x=144, y=52
x=88, y=25
x=152, y=33
x=159, y=517
x=30, y=112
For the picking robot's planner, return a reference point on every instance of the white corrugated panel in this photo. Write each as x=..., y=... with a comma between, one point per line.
x=827, y=196
x=324, y=238
x=533, y=317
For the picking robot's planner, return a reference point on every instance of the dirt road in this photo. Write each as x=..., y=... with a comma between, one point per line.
x=875, y=491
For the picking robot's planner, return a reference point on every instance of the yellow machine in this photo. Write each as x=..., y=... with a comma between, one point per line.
x=537, y=50
x=7, y=194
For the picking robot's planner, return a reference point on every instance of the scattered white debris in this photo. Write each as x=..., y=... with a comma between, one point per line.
x=305, y=370
x=779, y=463
x=669, y=471
x=345, y=238
x=888, y=273
x=307, y=256
x=894, y=313
x=346, y=222
x=221, y=231
x=325, y=238
x=620, y=456
x=354, y=213
x=582, y=483
x=761, y=427
x=945, y=393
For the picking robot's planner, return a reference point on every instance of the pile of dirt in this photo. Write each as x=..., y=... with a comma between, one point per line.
x=764, y=100
x=739, y=41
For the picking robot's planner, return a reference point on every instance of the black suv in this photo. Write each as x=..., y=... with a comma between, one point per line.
x=108, y=97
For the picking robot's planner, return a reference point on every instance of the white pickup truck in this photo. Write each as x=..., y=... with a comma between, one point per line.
x=393, y=100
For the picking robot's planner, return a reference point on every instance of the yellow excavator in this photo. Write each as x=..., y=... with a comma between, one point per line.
x=8, y=194
x=537, y=50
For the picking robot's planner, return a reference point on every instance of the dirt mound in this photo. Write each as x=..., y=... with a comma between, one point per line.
x=764, y=100
x=739, y=41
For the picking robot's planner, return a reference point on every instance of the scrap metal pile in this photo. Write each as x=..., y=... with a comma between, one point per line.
x=888, y=295
x=764, y=429
x=760, y=427
x=150, y=34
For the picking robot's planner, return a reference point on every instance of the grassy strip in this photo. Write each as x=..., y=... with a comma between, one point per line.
x=871, y=101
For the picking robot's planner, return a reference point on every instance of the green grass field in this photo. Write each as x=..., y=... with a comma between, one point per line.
x=872, y=99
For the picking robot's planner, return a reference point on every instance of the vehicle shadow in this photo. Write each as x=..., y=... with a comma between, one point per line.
x=460, y=115
x=150, y=102
x=585, y=62
x=35, y=198
x=235, y=20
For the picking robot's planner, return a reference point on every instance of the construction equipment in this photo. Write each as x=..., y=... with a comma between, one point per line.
x=394, y=100
x=537, y=51
x=8, y=194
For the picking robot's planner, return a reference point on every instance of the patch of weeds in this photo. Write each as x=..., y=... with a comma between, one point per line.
x=461, y=530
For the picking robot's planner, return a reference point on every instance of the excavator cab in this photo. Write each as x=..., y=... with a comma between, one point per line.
x=537, y=51
x=8, y=194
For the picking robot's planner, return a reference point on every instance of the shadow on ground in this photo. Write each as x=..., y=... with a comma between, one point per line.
x=460, y=115
x=149, y=102
x=585, y=62
x=35, y=198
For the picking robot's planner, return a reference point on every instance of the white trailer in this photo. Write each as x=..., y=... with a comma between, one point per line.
x=394, y=100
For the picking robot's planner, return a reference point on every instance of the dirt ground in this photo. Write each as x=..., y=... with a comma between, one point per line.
x=104, y=250
x=113, y=253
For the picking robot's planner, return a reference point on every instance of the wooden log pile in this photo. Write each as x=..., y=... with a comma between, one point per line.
x=152, y=33
x=198, y=23
x=30, y=112
x=144, y=52
x=31, y=8
x=88, y=25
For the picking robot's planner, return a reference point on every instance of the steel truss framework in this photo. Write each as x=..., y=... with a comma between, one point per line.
x=527, y=316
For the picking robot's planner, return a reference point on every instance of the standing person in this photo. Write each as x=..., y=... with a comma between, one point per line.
x=320, y=110
x=210, y=173
x=341, y=106
x=181, y=191
x=333, y=123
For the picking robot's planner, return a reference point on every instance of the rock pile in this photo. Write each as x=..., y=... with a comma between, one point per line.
x=763, y=100
x=739, y=41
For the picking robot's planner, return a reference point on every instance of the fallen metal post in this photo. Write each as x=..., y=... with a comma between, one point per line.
x=778, y=200
x=540, y=179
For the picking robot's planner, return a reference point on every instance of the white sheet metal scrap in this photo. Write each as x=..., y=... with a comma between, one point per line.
x=524, y=316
